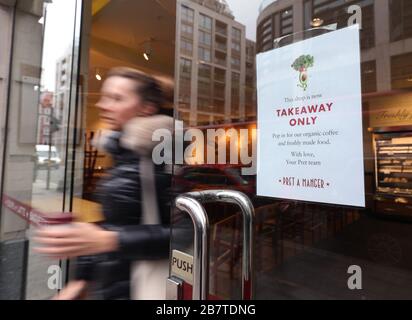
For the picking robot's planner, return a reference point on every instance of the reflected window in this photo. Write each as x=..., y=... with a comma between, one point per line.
x=221, y=28
x=185, y=67
x=286, y=22
x=321, y=13
x=205, y=22
x=236, y=34
x=220, y=58
x=278, y=25
x=205, y=38
x=187, y=30
x=235, y=93
x=205, y=71
x=369, y=77
x=401, y=70
x=220, y=43
x=185, y=83
x=220, y=75
x=204, y=54
x=187, y=15
x=400, y=19
x=236, y=40
x=236, y=63
x=186, y=46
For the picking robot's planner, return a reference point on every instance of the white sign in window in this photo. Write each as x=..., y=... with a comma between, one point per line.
x=310, y=141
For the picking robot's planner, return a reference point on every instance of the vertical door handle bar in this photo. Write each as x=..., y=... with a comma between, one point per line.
x=248, y=212
x=201, y=245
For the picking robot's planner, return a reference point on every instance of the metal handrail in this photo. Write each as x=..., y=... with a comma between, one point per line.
x=201, y=245
x=248, y=212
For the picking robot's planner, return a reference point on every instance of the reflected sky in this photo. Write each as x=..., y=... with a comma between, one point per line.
x=60, y=19
x=246, y=12
x=58, y=38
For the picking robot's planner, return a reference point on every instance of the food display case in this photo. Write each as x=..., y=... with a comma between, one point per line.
x=393, y=171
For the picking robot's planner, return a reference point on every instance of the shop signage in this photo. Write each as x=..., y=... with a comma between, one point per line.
x=310, y=144
x=182, y=266
x=393, y=110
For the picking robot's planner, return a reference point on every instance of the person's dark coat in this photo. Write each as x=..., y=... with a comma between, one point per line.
x=120, y=195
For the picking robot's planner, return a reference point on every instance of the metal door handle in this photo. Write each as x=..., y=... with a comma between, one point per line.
x=248, y=212
x=201, y=245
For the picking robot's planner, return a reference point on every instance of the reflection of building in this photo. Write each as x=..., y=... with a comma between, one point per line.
x=386, y=71
x=52, y=114
x=21, y=34
x=250, y=81
x=62, y=96
x=213, y=64
x=385, y=36
x=44, y=117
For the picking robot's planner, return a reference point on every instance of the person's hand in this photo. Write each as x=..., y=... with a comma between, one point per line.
x=78, y=239
x=75, y=290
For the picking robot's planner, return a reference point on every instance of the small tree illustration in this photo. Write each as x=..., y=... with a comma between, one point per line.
x=302, y=64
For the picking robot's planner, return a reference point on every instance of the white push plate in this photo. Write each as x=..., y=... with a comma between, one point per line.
x=182, y=266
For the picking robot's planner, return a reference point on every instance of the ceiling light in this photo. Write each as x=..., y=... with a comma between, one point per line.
x=41, y=20
x=147, y=52
x=98, y=75
x=409, y=80
x=317, y=22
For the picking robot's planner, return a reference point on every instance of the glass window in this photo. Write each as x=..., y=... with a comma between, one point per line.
x=235, y=91
x=236, y=46
x=267, y=23
x=320, y=13
x=220, y=43
x=220, y=58
x=219, y=90
x=236, y=34
x=205, y=88
x=187, y=30
x=187, y=14
x=185, y=67
x=205, y=71
x=369, y=83
x=267, y=38
x=37, y=180
x=286, y=22
x=50, y=163
x=186, y=46
x=294, y=238
x=220, y=75
x=401, y=66
x=221, y=28
x=205, y=38
x=307, y=14
x=204, y=54
x=205, y=22
x=205, y=104
x=235, y=63
x=400, y=19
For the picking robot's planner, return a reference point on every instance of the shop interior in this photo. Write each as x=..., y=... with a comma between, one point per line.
x=120, y=37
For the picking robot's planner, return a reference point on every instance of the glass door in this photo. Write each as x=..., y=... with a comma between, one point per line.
x=306, y=246
x=39, y=127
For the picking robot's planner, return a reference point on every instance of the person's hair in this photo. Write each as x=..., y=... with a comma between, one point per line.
x=157, y=91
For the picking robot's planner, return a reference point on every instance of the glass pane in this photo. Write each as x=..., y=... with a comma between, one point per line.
x=122, y=34
x=299, y=242
x=36, y=157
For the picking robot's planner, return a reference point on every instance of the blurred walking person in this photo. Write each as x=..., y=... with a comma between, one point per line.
x=133, y=240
